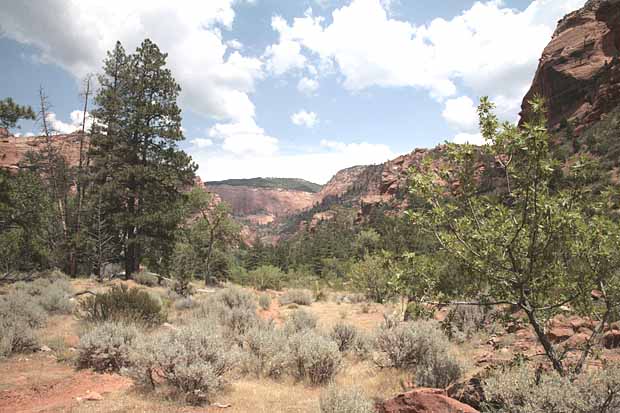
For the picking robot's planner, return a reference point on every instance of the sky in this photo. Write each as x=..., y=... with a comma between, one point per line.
x=291, y=88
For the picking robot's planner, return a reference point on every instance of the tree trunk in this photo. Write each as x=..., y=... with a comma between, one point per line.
x=131, y=253
x=552, y=355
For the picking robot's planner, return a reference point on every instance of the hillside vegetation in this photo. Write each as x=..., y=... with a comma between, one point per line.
x=292, y=184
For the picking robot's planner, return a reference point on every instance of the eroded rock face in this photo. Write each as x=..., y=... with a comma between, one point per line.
x=13, y=148
x=262, y=205
x=579, y=71
x=423, y=401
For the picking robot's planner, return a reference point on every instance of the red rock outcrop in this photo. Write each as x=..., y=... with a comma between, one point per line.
x=579, y=71
x=262, y=205
x=424, y=401
x=13, y=148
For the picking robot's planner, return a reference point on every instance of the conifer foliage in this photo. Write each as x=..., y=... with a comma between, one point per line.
x=137, y=166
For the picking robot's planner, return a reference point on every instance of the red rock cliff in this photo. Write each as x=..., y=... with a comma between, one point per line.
x=579, y=71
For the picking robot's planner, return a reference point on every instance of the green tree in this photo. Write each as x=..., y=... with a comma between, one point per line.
x=11, y=113
x=372, y=276
x=212, y=231
x=136, y=162
x=524, y=242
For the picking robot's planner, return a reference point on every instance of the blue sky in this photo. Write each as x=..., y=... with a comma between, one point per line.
x=292, y=88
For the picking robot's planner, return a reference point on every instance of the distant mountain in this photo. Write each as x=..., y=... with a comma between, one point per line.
x=291, y=184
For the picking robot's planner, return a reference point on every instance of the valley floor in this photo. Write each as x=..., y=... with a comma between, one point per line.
x=47, y=381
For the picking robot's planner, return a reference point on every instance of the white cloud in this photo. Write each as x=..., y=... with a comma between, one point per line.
x=303, y=118
x=201, y=142
x=284, y=56
x=472, y=138
x=307, y=86
x=331, y=156
x=76, y=117
x=244, y=138
x=461, y=113
x=76, y=35
x=477, y=48
x=234, y=44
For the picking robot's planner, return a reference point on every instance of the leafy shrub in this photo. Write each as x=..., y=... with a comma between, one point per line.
x=313, y=357
x=421, y=346
x=124, y=304
x=146, y=278
x=348, y=400
x=518, y=391
x=193, y=360
x=298, y=321
x=344, y=335
x=299, y=297
x=371, y=276
x=264, y=301
x=416, y=311
x=105, y=348
x=266, y=277
x=265, y=351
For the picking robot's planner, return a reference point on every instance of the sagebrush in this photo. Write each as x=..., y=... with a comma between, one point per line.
x=193, y=361
x=105, y=348
x=345, y=400
x=420, y=346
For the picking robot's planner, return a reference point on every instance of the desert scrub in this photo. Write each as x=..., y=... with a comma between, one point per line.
x=299, y=297
x=420, y=346
x=20, y=316
x=345, y=400
x=184, y=303
x=232, y=308
x=264, y=351
x=344, y=335
x=463, y=321
x=313, y=357
x=17, y=335
x=105, y=348
x=193, y=361
x=300, y=320
x=52, y=293
x=517, y=390
x=123, y=304
x=264, y=301
x=146, y=278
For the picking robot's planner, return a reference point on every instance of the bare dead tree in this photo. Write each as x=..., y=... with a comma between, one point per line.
x=80, y=188
x=102, y=239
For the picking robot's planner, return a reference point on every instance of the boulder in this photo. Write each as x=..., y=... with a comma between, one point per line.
x=560, y=334
x=611, y=339
x=577, y=340
x=424, y=401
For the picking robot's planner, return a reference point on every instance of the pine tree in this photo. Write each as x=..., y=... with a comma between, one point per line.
x=11, y=113
x=134, y=151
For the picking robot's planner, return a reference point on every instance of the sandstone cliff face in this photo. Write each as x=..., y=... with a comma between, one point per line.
x=262, y=206
x=13, y=149
x=579, y=71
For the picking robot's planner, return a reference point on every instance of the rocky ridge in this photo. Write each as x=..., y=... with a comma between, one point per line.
x=579, y=71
